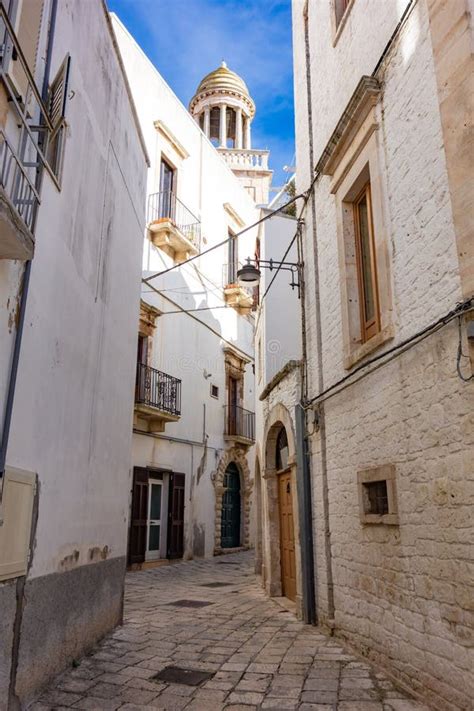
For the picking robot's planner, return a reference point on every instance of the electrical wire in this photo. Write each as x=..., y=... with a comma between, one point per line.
x=461, y=355
x=385, y=357
x=203, y=323
x=228, y=239
x=306, y=195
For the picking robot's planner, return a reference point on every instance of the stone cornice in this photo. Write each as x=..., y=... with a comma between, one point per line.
x=171, y=138
x=222, y=93
x=287, y=368
x=364, y=98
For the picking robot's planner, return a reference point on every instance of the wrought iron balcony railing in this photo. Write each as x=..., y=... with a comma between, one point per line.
x=37, y=128
x=239, y=423
x=17, y=184
x=166, y=206
x=159, y=390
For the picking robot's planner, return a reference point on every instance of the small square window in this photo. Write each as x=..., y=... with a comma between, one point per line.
x=377, y=495
x=214, y=391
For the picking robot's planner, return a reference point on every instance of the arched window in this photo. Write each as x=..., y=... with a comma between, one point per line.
x=281, y=456
x=214, y=125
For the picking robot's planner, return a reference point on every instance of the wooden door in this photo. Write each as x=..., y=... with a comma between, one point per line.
x=230, y=516
x=233, y=395
x=139, y=516
x=176, y=516
x=287, y=535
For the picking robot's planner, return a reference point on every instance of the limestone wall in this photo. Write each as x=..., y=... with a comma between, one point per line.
x=403, y=594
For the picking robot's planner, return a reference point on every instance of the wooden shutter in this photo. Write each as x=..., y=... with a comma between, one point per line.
x=176, y=516
x=139, y=515
x=57, y=96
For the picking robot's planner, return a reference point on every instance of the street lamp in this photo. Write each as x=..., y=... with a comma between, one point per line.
x=250, y=274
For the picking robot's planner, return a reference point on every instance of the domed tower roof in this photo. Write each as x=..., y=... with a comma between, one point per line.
x=223, y=81
x=223, y=78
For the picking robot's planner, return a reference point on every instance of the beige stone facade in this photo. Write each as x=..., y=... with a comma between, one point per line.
x=389, y=412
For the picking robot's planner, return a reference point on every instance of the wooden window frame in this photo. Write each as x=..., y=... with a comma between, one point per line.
x=368, y=329
x=340, y=9
x=233, y=259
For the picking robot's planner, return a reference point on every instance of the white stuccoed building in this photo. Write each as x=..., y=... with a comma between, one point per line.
x=194, y=426
x=72, y=210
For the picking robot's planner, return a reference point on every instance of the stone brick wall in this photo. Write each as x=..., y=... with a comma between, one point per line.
x=403, y=594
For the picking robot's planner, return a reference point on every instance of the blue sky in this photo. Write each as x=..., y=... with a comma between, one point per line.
x=186, y=39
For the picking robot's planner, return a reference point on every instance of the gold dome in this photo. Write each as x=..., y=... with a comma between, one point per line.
x=225, y=79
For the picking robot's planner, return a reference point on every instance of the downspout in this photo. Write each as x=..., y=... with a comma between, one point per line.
x=26, y=277
x=13, y=702
x=319, y=345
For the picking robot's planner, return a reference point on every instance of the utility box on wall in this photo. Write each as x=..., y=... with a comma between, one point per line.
x=16, y=511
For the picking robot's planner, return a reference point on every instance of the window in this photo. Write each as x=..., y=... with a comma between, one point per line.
x=214, y=125
x=57, y=95
x=214, y=391
x=340, y=6
x=352, y=157
x=366, y=265
x=281, y=459
x=167, y=205
x=233, y=260
x=377, y=495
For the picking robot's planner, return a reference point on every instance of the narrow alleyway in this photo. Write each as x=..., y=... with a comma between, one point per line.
x=212, y=617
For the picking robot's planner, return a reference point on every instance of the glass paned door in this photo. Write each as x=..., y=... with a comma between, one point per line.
x=154, y=520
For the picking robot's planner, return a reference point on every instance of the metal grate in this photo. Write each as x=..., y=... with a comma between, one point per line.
x=180, y=675
x=376, y=497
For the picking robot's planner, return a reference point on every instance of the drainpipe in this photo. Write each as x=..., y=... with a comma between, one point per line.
x=319, y=348
x=303, y=482
x=26, y=277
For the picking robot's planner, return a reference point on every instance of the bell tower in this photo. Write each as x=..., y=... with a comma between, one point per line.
x=224, y=109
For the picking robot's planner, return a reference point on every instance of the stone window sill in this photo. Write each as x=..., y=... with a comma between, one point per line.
x=386, y=334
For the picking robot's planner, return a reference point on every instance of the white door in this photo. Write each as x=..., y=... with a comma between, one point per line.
x=155, y=490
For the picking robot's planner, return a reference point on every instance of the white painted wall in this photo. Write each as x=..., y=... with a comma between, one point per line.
x=182, y=346
x=74, y=398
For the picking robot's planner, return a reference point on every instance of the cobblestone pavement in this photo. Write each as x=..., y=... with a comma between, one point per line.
x=258, y=656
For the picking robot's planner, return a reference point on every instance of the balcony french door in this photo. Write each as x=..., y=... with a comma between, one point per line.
x=155, y=498
x=167, y=207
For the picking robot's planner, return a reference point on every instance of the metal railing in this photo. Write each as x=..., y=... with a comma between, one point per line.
x=30, y=107
x=157, y=389
x=17, y=184
x=239, y=422
x=165, y=205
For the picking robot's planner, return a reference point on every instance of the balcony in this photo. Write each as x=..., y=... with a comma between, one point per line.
x=239, y=425
x=172, y=227
x=157, y=399
x=239, y=297
x=31, y=135
x=19, y=201
x=243, y=159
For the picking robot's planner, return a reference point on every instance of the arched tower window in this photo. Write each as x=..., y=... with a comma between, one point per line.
x=281, y=455
x=231, y=127
x=214, y=125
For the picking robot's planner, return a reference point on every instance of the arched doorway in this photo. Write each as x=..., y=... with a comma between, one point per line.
x=281, y=549
x=285, y=510
x=231, y=508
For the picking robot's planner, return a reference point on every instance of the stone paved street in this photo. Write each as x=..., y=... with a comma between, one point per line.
x=258, y=656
